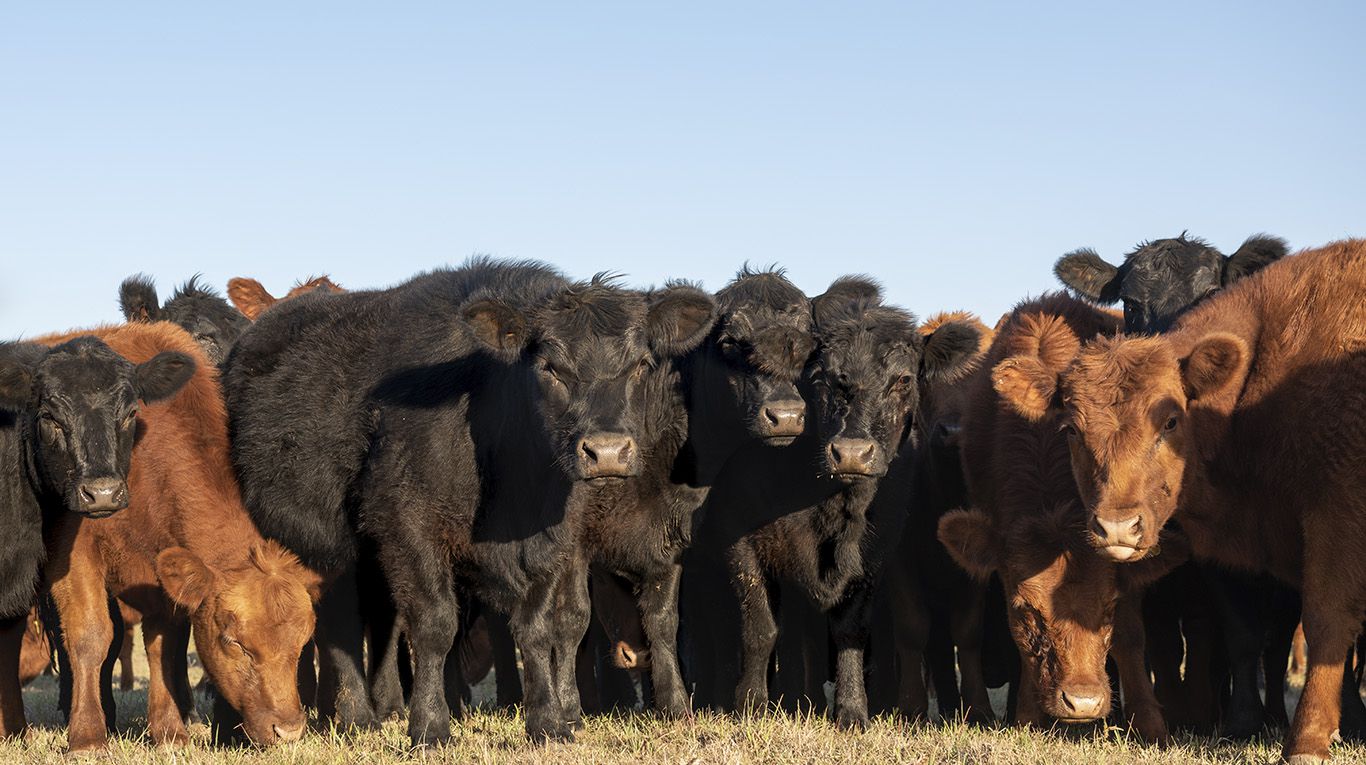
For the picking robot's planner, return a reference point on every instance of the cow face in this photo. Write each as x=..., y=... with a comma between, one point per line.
x=1130, y=406
x=1161, y=280
x=81, y=402
x=592, y=348
x=1061, y=600
x=197, y=309
x=250, y=626
x=866, y=375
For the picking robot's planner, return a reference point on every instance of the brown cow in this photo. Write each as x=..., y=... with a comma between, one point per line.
x=248, y=600
x=1248, y=424
x=1065, y=603
x=250, y=297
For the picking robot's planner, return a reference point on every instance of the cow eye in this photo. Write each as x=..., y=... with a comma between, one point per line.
x=128, y=420
x=640, y=368
x=1171, y=424
x=905, y=381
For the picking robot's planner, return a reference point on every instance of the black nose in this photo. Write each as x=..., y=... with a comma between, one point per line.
x=853, y=456
x=782, y=419
x=102, y=496
x=607, y=455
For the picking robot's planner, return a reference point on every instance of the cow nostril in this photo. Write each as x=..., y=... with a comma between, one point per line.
x=588, y=451
x=288, y=733
x=771, y=417
x=869, y=454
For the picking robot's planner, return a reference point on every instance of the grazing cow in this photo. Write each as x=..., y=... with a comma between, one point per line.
x=251, y=298
x=247, y=600
x=1247, y=424
x=927, y=594
x=1158, y=282
x=737, y=388
x=1066, y=604
x=453, y=417
x=199, y=310
x=65, y=445
x=820, y=517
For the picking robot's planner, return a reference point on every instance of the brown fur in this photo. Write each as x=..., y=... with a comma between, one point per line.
x=186, y=530
x=1065, y=602
x=251, y=298
x=1248, y=423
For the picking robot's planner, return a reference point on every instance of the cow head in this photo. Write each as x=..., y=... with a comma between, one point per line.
x=250, y=625
x=866, y=375
x=1060, y=599
x=591, y=348
x=80, y=400
x=1131, y=407
x=1161, y=280
x=197, y=309
x=250, y=297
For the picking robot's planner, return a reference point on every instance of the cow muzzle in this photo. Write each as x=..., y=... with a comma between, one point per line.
x=1081, y=704
x=607, y=455
x=101, y=497
x=1118, y=540
x=854, y=458
x=780, y=422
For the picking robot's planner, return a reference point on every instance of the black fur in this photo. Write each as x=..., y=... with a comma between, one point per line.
x=198, y=309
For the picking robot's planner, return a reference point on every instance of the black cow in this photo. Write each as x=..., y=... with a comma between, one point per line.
x=198, y=309
x=448, y=421
x=1157, y=283
x=820, y=517
x=67, y=422
x=737, y=388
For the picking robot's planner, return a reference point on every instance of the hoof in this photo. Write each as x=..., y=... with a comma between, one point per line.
x=1305, y=759
x=550, y=733
x=424, y=734
x=851, y=719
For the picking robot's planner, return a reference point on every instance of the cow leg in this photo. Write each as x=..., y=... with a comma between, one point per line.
x=849, y=627
x=1028, y=711
x=1141, y=709
x=126, y=678
x=1332, y=618
x=180, y=681
x=457, y=690
x=1352, y=724
x=165, y=721
x=910, y=635
x=1239, y=599
x=308, y=676
x=570, y=618
x=430, y=611
x=659, y=615
x=88, y=634
x=942, y=668
x=1285, y=618
x=533, y=627
x=12, y=720
x=340, y=638
x=507, y=678
x=966, y=625
x=758, y=628
x=386, y=689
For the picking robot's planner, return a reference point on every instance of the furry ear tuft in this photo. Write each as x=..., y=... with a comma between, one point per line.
x=968, y=536
x=498, y=327
x=184, y=577
x=1217, y=362
x=1259, y=251
x=138, y=299
x=1026, y=386
x=1088, y=276
x=948, y=350
x=16, y=385
x=163, y=375
x=249, y=296
x=679, y=319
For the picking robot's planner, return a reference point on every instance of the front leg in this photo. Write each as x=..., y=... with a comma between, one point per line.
x=12, y=720
x=165, y=720
x=849, y=628
x=1140, y=703
x=758, y=627
x=533, y=627
x=88, y=635
x=571, y=618
x=659, y=615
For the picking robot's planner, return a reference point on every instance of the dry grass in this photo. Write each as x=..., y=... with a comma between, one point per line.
x=496, y=737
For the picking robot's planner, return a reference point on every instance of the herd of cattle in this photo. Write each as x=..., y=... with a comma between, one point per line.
x=362, y=500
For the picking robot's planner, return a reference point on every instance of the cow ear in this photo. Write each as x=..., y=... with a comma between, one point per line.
x=163, y=375
x=1026, y=386
x=1258, y=251
x=1216, y=363
x=969, y=538
x=679, y=319
x=184, y=577
x=249, y=296
x=1173, y=549
x=844, y=292
x=138, y=299
x=500, y=328
x=948, y=349
x=16, y=385
x=1089, y=276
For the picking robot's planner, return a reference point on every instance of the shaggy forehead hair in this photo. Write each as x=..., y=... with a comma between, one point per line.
x=876, y=326
x=762, y=290
x=75, y=354
x=597, y=308
x=1107, y=382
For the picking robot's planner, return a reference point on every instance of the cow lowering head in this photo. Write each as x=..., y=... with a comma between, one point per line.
x=1060, y=599
x=867, y=372
x=1162, y=279
x=80, y=402
x=591, y=348
x=756, y=354
x=250, y=625
x=1129, y=405
x=251, y=298
x=197, y=309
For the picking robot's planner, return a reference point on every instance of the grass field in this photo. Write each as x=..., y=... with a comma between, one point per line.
x=497, y=737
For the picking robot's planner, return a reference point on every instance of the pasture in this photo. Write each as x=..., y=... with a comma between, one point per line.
x=495, y=736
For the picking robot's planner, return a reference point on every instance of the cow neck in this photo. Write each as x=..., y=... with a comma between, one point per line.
x=716, y=427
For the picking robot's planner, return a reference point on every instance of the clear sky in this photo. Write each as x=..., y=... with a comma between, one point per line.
x=954, y=150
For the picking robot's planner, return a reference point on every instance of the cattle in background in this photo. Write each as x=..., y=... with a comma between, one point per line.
x=1247, y=615
x=197, y=309
x=247, y=600
x=1247, y=425
x=251, y=298
x=932, y=606
x=451, y=416
x=818, y=519
x=1068, y=607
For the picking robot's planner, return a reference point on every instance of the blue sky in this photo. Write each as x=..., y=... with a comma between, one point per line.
x=954, y=150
